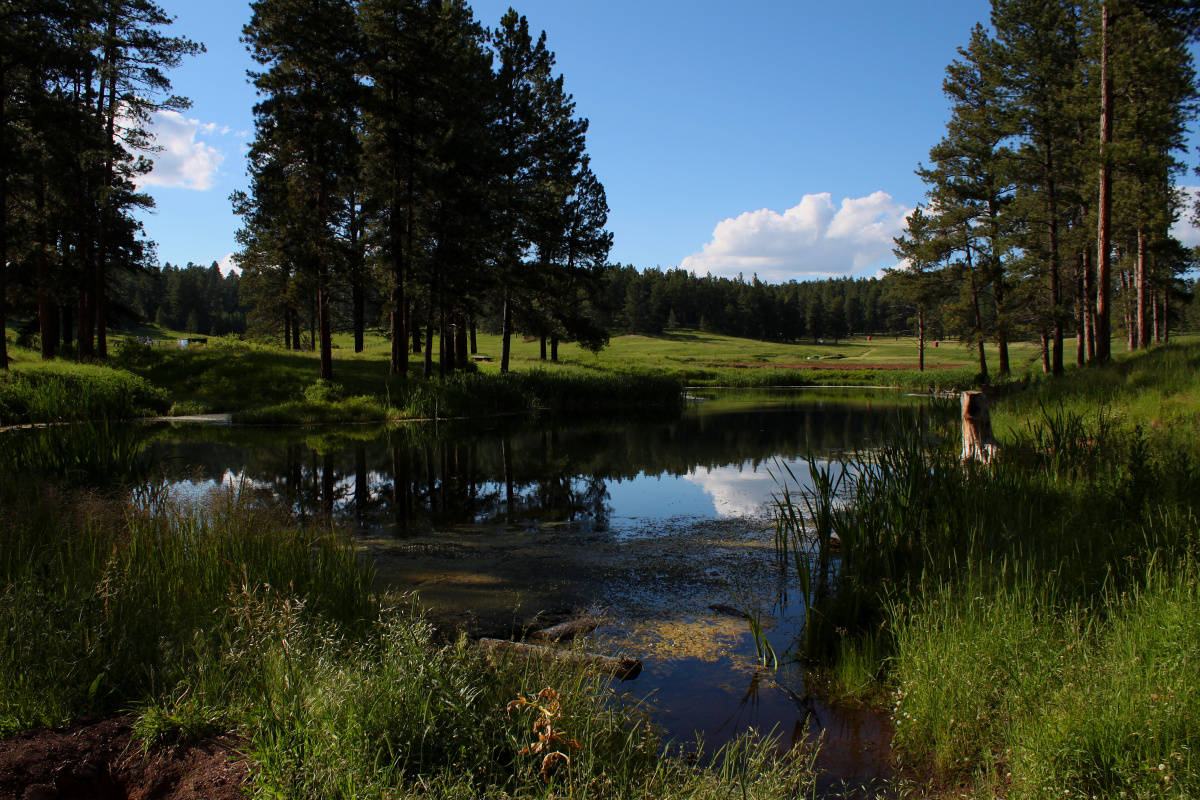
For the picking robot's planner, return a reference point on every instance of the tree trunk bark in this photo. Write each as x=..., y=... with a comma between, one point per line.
x=506, y=334
x=324, y=323
x=920, y=339
x=1143, y=317
x=47, y=309
x=460, y=342
x=1103, y=245
x=554, y=349
x=1080, y=316
x=1056, y=311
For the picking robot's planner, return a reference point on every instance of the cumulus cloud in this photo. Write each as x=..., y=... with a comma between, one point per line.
x=812, y=239
x=184, y=161
x=228, y=265
x=1183, y=229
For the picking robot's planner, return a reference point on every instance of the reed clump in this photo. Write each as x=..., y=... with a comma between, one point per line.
x=1031, y=618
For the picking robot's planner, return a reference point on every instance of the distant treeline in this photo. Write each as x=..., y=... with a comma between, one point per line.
x=194, y=299
x=201, y=300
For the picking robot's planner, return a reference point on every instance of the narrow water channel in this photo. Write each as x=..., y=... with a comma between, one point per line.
x=645, y=521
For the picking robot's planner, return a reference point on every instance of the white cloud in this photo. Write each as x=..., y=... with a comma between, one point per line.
x=1183, y=229
x=736, y=491
x=228, y=265
x=811, y=239
x=183, y=161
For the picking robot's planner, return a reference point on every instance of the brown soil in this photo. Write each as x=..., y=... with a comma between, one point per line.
x=99, y=760
x=836, y=364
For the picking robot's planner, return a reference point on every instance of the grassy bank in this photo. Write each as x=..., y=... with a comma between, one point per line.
x=1034, y=617
x=59, y=391
x=218, y=614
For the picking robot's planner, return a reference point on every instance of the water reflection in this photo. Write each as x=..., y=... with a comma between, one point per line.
x=712, y=460
x=649, y=519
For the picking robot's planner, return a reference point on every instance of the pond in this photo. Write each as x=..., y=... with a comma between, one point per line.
x=509, y=523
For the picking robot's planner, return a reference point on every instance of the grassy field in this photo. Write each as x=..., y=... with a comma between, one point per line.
x=267, y=384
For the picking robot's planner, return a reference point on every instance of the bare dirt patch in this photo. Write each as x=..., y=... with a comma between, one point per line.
x=99, y=760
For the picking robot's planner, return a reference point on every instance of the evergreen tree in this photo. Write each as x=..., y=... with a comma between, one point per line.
x=305, y=139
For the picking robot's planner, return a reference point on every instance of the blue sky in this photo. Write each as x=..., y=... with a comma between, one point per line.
x=769, y=137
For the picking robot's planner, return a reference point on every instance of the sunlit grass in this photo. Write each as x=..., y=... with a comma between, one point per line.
x=1034, y=616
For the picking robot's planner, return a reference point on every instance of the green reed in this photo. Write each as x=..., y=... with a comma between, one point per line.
x=1032, y=616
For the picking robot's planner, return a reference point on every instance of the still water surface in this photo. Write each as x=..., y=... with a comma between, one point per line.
x=646, y=520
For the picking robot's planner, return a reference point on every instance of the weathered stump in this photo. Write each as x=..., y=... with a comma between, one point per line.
x=978, y=444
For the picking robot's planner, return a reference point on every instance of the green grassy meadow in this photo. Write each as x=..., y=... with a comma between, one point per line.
x=262, y=383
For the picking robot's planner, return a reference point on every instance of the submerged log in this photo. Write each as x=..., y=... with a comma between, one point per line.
x=721, y=608
x=624, y=668
x=567, y=630
x=978, y=444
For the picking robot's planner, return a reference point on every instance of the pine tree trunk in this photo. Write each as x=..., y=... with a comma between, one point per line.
x=474, y=348
x=1089, y=305
x=460, y=342
x=1080, y=316
x=324, y=323
x=1142, y=339
x=3, y=248
x=1103, y=245
x=554, y=349
x=543, y=345
x=360, y=312
x=920, y=339
x=1056, y=311
x=67, y=326
x=506, y=334
x=84, y=349
x=1131, y=330
x=47, y=310
x=1046, y=348
x=1167, y=317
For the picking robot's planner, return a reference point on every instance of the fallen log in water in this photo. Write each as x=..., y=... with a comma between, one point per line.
x=721, y=608
x=624, y=668
x=567, y=630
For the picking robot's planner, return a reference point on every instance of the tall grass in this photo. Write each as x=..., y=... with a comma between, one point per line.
x=60, y=392
x=1032, y=615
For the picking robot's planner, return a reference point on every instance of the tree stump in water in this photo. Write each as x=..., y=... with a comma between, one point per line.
x=978, y=444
